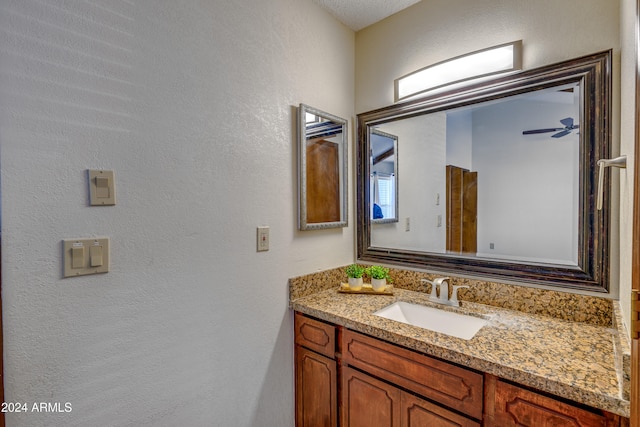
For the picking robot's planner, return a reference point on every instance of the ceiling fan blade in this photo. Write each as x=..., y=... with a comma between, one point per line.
x=568, y=122
x=529, y=132
x=561, y=134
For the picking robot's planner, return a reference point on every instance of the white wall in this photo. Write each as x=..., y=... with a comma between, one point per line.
x=528, y=185
x=192, y=104
x=422, y=150
x=460, y=139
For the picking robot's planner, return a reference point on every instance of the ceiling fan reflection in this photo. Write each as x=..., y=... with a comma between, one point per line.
x=560, y=132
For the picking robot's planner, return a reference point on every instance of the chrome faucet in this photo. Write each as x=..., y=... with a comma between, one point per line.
x=441, y=284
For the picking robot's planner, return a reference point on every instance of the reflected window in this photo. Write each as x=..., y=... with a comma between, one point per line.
x=383, y=180
x=383, y=195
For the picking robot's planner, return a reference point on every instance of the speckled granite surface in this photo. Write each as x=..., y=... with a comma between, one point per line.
x=561, y=305
x=579, y=360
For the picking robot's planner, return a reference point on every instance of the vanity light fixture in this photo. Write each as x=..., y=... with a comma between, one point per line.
x=499, y=59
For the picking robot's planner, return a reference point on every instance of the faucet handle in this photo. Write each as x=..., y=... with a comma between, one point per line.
x=443, y=284
x=454, y=295
x=433, y=293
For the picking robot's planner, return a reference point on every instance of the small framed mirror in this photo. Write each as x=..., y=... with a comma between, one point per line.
x=383, y=177
x=322, y=169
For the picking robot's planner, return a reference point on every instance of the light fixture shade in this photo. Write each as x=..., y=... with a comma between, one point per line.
x=482, y=63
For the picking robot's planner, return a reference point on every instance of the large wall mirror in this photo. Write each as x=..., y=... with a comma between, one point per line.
x=497, y=178
x=322, y=169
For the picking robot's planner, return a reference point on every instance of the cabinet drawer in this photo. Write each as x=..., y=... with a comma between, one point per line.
x=519, y=407
x=315, y=335
x=450, y=385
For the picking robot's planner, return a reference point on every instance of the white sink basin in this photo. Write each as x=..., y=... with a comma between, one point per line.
x=434, y=319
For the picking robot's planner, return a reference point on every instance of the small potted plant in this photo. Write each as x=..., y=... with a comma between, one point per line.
x=379, y=277
x=355, y=273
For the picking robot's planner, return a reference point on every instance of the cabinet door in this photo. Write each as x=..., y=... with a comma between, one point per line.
x=418, y=412
x=518, y=407
x=368, y=402
x=452, y=386
x=316, y=390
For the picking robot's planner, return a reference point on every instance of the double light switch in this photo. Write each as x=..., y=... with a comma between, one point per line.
x=85, y=256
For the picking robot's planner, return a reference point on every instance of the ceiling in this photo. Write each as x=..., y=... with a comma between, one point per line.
x=357, y=14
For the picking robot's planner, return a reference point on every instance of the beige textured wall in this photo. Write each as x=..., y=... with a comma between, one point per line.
x=434, y=30
x=192, y=103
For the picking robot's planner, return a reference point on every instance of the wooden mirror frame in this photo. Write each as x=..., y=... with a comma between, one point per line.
x=593, y=73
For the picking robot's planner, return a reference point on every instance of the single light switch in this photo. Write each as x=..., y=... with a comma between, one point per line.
x=77, y=255
x=95, y=255
x=263, y=238
x=85, y=256
x=102, y=188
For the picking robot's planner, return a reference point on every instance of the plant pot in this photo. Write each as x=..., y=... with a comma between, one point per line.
x=379, y=285
x=355, y=283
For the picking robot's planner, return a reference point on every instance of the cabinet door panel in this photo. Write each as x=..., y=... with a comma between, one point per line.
x=418, y=412
x=518, y=407
x=368, y=402
x=316, y=390
x=450, y=385
x=315, y=335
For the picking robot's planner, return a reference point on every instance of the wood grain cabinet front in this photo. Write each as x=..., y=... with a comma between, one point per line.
x=316, y=373
x=417, y=412
x=450, y=385
x=369, y=402
x=315, y=335
x=361, y=381
x=316, y=390
x=509, y=405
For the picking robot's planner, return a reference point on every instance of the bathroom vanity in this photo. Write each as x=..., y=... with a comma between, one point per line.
x=354, y=368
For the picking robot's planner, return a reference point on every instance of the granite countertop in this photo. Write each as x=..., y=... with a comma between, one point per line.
x=575, y=360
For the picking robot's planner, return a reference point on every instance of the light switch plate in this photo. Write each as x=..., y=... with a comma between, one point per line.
x=263, y=239
x=102, y=188
x=85, y=256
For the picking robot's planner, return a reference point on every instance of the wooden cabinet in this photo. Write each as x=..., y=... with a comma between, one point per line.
x=450, y=385
x=417, y=412
x=369, y=402
x=315, y=335
x=361, y=381
x=316, y=374
x=316, y=390
x=511, y=405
